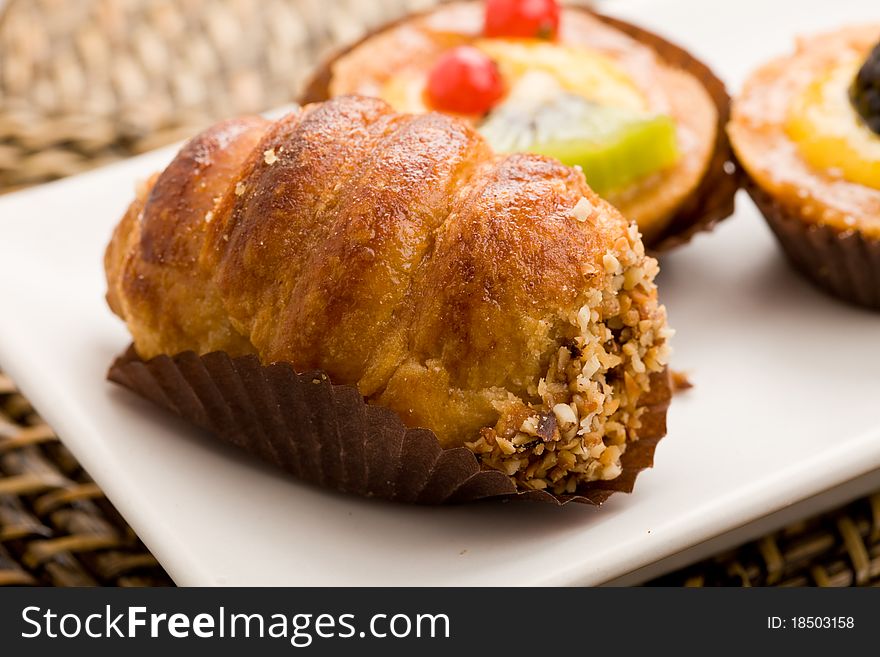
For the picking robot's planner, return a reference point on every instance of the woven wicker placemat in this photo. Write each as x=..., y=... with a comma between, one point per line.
x=56, y=526
x=88, y=82
x=85, y=83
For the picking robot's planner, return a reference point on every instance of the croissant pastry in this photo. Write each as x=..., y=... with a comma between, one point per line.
x=494, y=299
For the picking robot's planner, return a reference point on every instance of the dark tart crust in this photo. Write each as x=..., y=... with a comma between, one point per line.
x=844, y=263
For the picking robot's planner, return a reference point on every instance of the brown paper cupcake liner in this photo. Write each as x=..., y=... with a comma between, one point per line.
x=712, y=201
x=327, y=435
x=844, y=263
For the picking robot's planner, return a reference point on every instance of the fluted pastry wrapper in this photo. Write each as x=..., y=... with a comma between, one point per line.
x=844, y=263
x=713, y=199
x=327, y=435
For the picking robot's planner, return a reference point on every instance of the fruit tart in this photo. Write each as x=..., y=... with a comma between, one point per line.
x=806, y=129
x=642, y=118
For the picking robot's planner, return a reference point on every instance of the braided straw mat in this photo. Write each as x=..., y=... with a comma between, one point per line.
x=88, y=82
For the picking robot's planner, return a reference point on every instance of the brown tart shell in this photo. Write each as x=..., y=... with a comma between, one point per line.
x=844, y=263
x=327, y=435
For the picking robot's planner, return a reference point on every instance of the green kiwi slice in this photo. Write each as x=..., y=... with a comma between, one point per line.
x=614, y=147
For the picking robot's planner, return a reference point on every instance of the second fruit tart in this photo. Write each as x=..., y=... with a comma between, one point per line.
x=642, y=118
x=806, y=128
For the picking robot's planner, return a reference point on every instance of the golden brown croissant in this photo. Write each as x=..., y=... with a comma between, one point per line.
x=494, y=299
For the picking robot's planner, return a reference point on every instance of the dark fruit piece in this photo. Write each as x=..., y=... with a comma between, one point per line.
x=865, y=91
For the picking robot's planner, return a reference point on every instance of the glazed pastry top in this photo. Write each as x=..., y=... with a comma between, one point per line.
x=409, y=49
x=394, y=252
x=762, y=136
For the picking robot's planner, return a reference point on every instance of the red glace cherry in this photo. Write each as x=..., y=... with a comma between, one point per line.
x=535, y=19
x=464, y=81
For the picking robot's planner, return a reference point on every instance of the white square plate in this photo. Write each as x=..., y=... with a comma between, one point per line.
x=785, y=404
